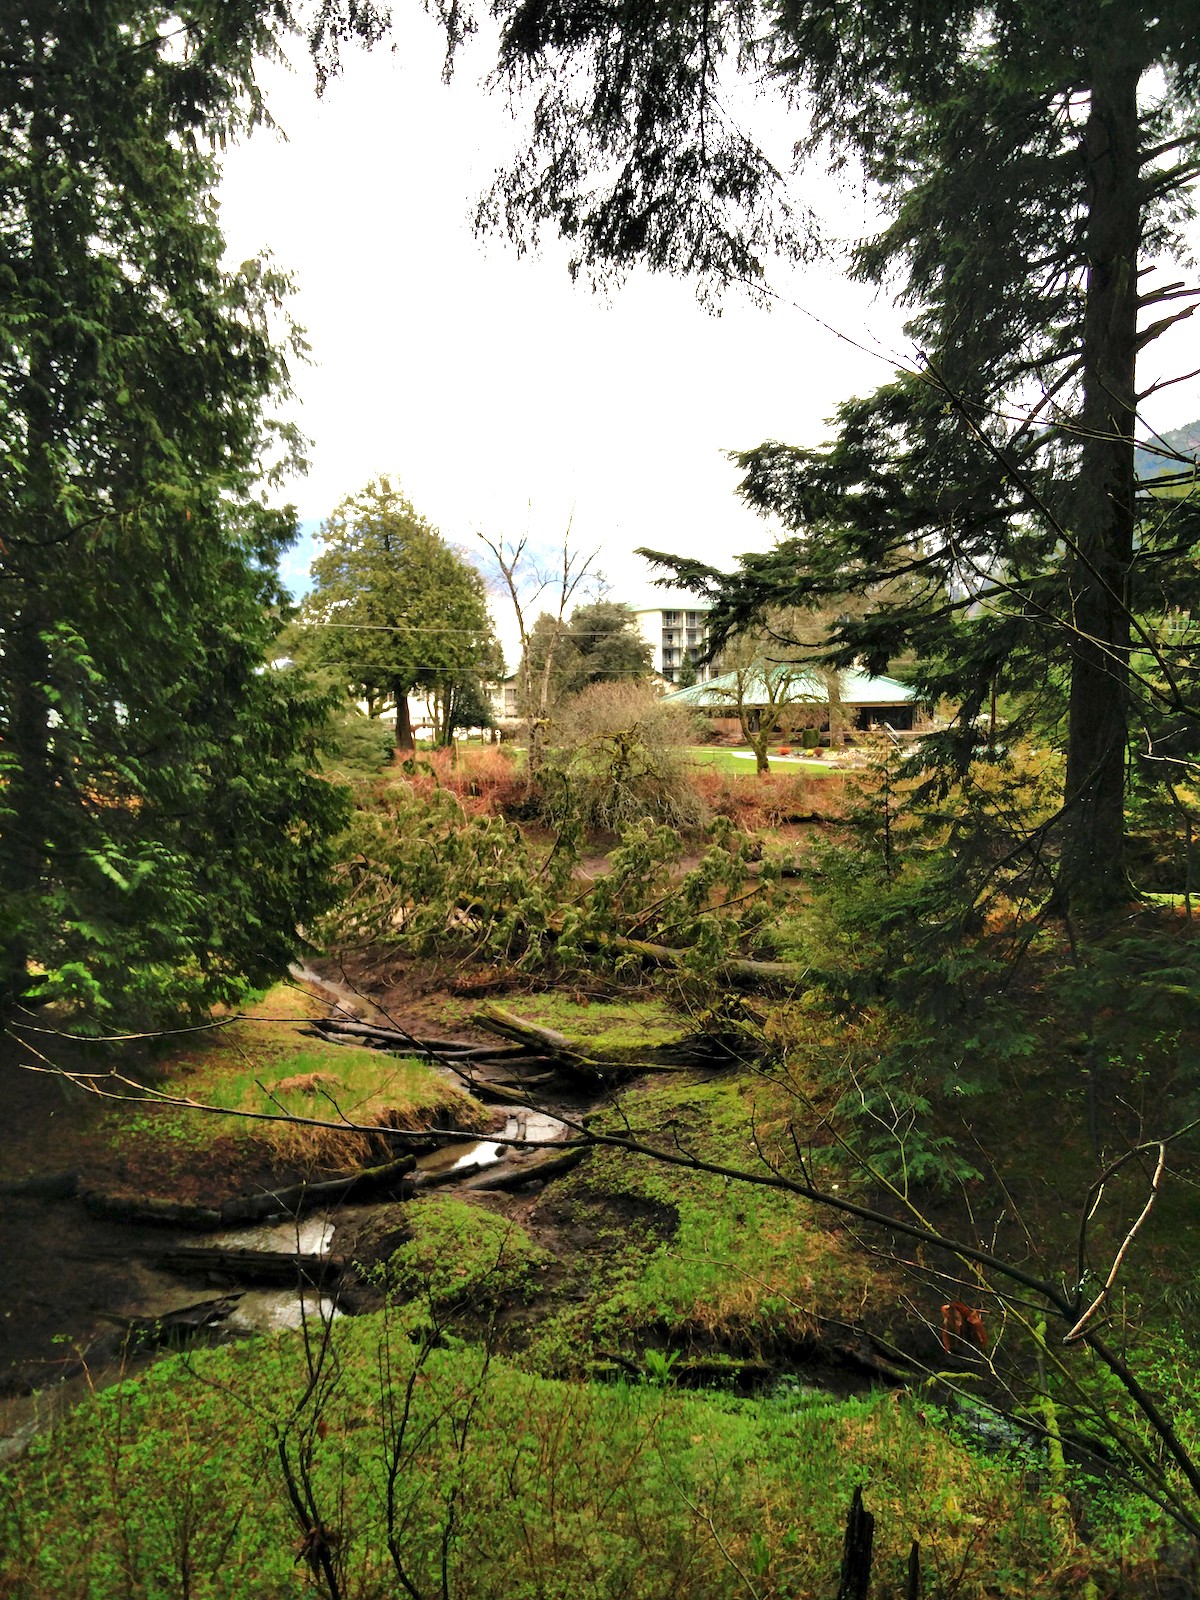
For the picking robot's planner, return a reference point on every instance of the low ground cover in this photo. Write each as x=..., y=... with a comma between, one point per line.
x=386, y=1463
x=683, y=1261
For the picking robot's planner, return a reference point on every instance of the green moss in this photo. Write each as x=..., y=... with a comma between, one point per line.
x=620, y=1023
x=688, y=1256
x=462, y=1257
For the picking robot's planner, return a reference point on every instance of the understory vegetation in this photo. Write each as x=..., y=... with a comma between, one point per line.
x=842, y=1240
x=435, y=1470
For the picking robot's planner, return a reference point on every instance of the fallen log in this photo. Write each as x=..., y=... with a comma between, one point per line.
x=457, y=1050
x=252, y=1266
x=534, y=1080
x=298, y=1198
x=739, y=972
x=515, y=1174
x=592, y=1058
x=44, y=1186
x=145, y=1211
x=444, y=1175
x=292, y=1201
x=174, y=1327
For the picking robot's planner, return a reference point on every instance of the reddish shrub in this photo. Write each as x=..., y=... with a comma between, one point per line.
x=770, y=800
x=486, y=780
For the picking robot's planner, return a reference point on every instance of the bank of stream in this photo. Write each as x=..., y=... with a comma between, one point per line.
x=111, y=1280
x=98, y=1284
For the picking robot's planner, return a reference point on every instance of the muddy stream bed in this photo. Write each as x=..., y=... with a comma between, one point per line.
x=88, y=1300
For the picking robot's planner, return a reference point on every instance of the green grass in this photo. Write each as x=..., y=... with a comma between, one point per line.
x=541, y=1490
x=684, y=1257
x=734, y=765
x=264, y=1063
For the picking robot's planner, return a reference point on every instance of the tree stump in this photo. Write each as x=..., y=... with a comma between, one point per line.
x=857, y=1551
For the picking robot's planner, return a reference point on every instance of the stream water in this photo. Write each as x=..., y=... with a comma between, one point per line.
x=75, y=1280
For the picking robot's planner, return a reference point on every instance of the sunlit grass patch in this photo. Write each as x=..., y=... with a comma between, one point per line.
x=264, y=1069
x=617, y=1024
x=741, y=764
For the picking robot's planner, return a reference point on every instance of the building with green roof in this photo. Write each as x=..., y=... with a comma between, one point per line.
x=865, y=701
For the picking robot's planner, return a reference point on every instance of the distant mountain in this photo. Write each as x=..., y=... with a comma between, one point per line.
x=1186, y=440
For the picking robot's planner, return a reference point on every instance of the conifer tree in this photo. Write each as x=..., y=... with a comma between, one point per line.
x=393, y=608
x=160, y=832
x=1036, y=163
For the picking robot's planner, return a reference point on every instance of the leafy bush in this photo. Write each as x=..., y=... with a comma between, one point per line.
x=418, y=874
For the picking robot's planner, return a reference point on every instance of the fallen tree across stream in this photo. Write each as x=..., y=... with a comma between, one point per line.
x=292, y=1201
x=535, y=1053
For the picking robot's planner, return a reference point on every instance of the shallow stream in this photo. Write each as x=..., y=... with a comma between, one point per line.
x=77, y=1279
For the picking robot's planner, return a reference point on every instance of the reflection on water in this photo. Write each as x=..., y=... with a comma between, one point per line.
x=313, y=1236
x=271, y=1310
x=523, y=1126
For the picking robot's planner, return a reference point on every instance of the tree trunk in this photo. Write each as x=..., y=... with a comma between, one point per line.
x=404, y=733
x=32, y=551
x=23, y=851
x=1092, y=874
x=857, y=1551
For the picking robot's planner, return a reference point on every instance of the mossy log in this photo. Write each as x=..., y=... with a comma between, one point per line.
x=533, y=1052
x=148, y=1212
x=596, y=1058
x=738, y=972
x=301, y=1197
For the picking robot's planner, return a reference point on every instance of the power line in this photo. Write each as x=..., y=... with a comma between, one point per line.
x=470, y=633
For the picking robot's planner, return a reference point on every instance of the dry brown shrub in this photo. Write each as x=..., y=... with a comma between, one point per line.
x=309, y=1082
x=772, y=800
x=620, y=753
x=487, y=780
x=604, y=709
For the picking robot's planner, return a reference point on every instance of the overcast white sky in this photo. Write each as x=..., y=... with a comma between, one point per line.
x=500, y=395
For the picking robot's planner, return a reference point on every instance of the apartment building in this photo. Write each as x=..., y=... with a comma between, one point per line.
x=675, y=632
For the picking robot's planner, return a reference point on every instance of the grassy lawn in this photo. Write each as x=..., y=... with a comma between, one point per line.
x=733, y=763
x=741, y=764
